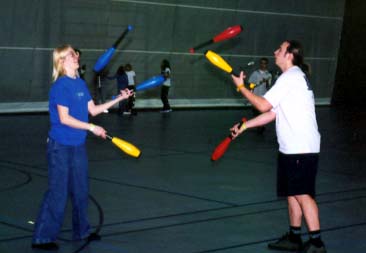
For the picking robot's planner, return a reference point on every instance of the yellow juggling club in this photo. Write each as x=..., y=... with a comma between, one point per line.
x=125, y=146
x=219, y=62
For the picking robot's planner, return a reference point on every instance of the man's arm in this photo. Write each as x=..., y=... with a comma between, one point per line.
x=260, y=120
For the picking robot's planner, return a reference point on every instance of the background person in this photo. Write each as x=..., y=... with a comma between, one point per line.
x=262, y=79
x=122, y=83
x=166, y=71
x=131, y=86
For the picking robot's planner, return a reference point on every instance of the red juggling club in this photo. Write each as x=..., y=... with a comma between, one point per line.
x=228, y=33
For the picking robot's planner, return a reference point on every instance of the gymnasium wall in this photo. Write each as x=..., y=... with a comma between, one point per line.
x=163, y=29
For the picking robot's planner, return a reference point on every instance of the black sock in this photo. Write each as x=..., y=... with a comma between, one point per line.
x=315, y=238
x=295, y=233
x=295, y=230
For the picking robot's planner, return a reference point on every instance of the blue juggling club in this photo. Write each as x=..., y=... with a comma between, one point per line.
x=150, y=83
x=107, y=55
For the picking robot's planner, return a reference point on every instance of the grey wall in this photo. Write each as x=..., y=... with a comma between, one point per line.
x=163, y=29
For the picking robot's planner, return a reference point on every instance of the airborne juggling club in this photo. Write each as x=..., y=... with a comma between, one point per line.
x=219, y=62
x=104, y=59
x=228, y=33
x=151, y=82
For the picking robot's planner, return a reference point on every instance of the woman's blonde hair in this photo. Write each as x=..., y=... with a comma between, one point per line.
x=59, y=53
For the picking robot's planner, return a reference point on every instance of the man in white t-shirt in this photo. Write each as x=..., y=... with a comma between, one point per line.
x=290, y=102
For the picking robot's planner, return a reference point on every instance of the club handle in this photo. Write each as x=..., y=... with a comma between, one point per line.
x=239, y=126
x=233, y=132
x=109, y=137
x=129, y=28
x=235, y=73
x=202, y=45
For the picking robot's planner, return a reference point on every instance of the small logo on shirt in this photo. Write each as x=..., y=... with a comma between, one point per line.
x=80, y=94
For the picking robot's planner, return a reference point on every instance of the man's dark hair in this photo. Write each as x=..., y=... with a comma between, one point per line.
x=296, y=49
x=264, y=59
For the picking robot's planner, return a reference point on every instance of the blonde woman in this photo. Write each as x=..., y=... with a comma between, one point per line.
x=69, y=105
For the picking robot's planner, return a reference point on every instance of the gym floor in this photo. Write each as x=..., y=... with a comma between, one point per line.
x=173, y=199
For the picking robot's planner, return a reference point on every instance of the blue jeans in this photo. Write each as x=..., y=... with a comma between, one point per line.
x=67, y=176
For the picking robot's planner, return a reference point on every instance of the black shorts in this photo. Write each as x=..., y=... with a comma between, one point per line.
x=296, y=174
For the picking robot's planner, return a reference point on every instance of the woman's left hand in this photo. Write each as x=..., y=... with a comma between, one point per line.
x=126, y=93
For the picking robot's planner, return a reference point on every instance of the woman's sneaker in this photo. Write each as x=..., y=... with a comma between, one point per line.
x=94, y=237
x=45, y=246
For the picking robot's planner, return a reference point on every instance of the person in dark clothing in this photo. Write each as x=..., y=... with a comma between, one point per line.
x=122, y=83
x=166, y=71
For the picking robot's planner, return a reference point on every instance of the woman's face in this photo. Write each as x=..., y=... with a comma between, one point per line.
x=71, y=60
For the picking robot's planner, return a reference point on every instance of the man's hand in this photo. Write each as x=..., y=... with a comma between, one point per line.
x=238, y=81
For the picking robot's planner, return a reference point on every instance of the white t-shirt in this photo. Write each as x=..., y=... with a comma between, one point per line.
x=292, y=99
x=167, y=81
x=130, y=75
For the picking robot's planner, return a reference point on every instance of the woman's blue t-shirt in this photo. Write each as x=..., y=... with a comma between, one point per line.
x=73, y=94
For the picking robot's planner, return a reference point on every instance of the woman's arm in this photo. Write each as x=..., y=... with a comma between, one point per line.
x=97, y=109
x=68, y=120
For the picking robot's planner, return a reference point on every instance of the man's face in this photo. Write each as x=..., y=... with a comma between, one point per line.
x=263, y=65
x=281, y=54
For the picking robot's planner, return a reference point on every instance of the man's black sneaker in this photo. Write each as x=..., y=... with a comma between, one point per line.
x=45, y=246
x=311, y=248
x=286, y=242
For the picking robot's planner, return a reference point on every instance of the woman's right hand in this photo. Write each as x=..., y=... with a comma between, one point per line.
x=99, y=131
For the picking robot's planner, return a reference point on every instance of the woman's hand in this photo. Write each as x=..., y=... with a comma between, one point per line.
x=98, y=131
x=126, y=93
